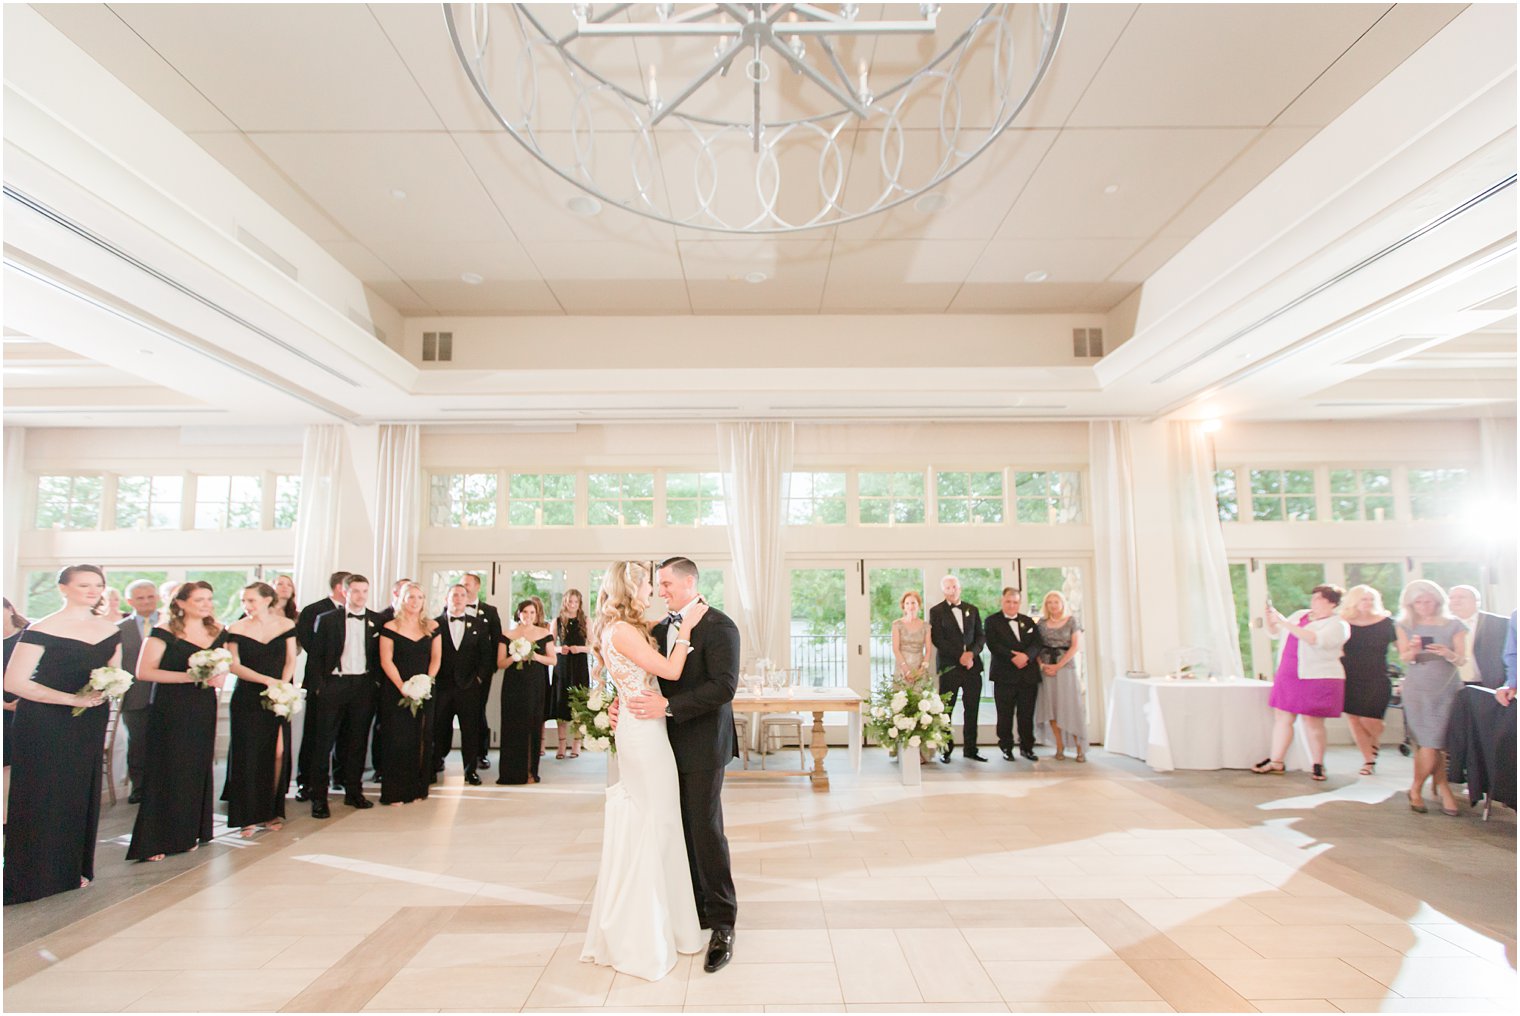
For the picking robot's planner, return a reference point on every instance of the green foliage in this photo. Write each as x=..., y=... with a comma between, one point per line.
x=896, y=702
x=583, y=717
x=1288, y=585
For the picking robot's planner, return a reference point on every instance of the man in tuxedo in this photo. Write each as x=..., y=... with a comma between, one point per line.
x=1485, y=657
x=700, y=722
x=469, y=657
x=476, y=607
x=306, y=627
x=955, y=628
x=142, y=595
x=346, y=655
x=1014, y=641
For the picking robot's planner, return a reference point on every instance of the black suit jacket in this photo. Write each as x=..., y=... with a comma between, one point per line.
x=327, y=644
x=140, y=695
x=1487, y=648
x=950, y=642
x=1004, y=637
x=473, y=660
x=701, y=726
x=306, y=634
x=492, y=618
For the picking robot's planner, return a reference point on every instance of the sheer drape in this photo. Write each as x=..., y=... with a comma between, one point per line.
x=1496, y=438
x=1203, y=568
x=1116, y=604
x=16, y=489
x=317, y=514
x=398, y=492
x=755, y=459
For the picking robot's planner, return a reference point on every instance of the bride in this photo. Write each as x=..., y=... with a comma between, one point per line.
x=643, y=912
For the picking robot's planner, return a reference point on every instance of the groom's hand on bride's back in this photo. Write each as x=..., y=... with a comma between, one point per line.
x=612, y=713
x=648, y=706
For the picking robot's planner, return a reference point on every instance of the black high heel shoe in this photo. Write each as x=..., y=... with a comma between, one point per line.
x=1267, y=767
x=1317, y=774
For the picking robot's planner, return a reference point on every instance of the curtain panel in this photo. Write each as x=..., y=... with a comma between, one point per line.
x=398, y=509
x=1209, y=625
x=317, y=514
x=1114, y=605
x=16, y=490
x=755, y=459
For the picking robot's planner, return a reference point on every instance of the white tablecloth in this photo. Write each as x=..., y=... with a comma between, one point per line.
x=1176, y=724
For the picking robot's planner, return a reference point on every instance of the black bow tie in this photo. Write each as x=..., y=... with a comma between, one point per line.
x=356, y=617
x=456, y=617
x=673, y=618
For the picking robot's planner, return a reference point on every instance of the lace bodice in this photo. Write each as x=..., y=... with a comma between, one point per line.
x=627, y=676
x=911, y=642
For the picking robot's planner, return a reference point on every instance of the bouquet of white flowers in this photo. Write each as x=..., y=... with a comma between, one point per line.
x=112, y=682
x=416, y=690
x=209, y=663
x=906, y=714
x=588, y=715
x=521, y=650
x=284, y=700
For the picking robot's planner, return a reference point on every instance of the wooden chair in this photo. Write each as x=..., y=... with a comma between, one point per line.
x=778, y=725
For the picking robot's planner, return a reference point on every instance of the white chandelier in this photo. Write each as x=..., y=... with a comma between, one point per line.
x=829, y=116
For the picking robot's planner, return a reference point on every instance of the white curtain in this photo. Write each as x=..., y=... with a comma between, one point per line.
x=398, y=486
x=755, y=459
x=317, y=515
x=1496, y=438
x=16, y=489
x=1117, y=579
x=1203, y=568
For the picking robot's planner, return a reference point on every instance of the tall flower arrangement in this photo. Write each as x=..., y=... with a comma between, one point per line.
x=588, y=714
x=906, y=714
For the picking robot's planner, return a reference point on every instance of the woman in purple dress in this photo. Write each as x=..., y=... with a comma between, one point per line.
x=1310, y=681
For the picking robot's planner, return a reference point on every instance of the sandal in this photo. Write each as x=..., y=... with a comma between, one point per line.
x=1417, y=806
x=1268, y=767
x=1059, y=756
x=275, y=826
x=560, y=754
x=248, y=832
x=1367, y=767
x=1317, y=774
x=156, y=857
x=574, y=753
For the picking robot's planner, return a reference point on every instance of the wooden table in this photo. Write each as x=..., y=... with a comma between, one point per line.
x=805, y=700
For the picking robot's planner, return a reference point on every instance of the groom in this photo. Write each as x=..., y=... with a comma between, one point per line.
x=701, y=728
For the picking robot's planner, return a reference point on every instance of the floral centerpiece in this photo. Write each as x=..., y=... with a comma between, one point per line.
x=907, y=714
x=416, y=690
x=589, y=715
x=284, y=700
x=111, y=682
x=521, y=651
x=210, y=663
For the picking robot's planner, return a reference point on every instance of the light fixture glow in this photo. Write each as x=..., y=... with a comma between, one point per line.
x=472, y=278
x=1037, y=276
x=584, y=205
x=398, y=194
x=1212, y=425
x=931, y=203
x=755, y=278
x=1112, y=188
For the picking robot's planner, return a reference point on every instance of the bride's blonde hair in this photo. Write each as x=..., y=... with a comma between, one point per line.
x=619, y=600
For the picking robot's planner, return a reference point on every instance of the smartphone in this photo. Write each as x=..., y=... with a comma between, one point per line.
x=1426, y=641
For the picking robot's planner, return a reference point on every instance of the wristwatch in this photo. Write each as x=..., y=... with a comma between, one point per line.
x=668, y=713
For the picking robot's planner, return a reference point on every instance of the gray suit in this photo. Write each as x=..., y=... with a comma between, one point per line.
x=1486, y=647
x=135, y=703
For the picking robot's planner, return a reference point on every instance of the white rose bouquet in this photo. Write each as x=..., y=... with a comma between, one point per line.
x=589, y=716
x=908, y=714
x=416, y=690
x=521, y=651
x=209, y=663
x=284, y=700
x=111, y=682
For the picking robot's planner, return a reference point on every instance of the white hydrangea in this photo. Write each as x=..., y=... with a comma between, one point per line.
x=899, y=702
x=603, y=722
x=915, y=741
x=594, y=701
x=925, y=720
x=936, y=704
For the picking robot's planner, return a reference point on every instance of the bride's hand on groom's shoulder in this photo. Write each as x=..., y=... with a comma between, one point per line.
x=693, y=615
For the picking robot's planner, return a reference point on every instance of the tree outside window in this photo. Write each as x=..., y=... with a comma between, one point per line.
x=620, y=499
x=541, y=499
x=1436, y=494
x=463, y=500
x=229, y=502
x=1361, y=495
x=695, y=499
x=287, y=500
x=1282, y=495
x=969, y=498
x=68, y=502
x=895, y=498
x=815, y=499
x=1047, y=497
x=1226, y=495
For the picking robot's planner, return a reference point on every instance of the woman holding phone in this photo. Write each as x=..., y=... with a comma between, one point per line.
x=1432, y=644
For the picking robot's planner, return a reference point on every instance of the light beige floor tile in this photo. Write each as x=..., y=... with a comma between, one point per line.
x=945, y=966
x=1475, y=942
x=1103, y=887
x=989, y=887
x=284, y=897
x=80, y=990
x=1050, y=1007
x=1411, y=940
x=508, y=949
x=314, y=952
x=815, y=1007
x=349, y=920
x=568, y=981
x=890, y=867
x=1174, y=913
x=1135, y=864
x=1211, y=943
x=1421, y=1005
x=1438, y=976
x=767, y=984
x=1192, y=886
x=1188, y=986
x=1023, y=863
x=217, y=990
x=1068, y=980
x=114, y=953
x=886, y=914
x=1132, y=1007
x=1309, y=941
x=810, y=867
x=724, y=1008
x=669, y=990
x=1020, y=914
x=883, y=847
x=927, y=1007
x=872, y=967
x=1294, y=1005
x=1317, y=910
x=1295, y=978
x=243, y=953
x=783, y=890
x=775, y=945
x=1004, y=945
x=483, y=987
x=901, y=888
x=176, y=922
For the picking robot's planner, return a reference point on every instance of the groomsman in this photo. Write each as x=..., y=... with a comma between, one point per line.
x=142, y=595
x=1013, y=639
x=492, y=617
x=956, y=631
x=306, y=627
x=469, y=657
x=346, y=650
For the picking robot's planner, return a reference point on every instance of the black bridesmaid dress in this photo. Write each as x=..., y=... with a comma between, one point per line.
x=406, y=741
x=177, y=809
x=10, y=715
x=524, y=694
x=254, y=790
x=571, y=670
x=54, y=806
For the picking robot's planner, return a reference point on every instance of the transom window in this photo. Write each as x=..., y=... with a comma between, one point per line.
x=1047, y=497
x=1436, y=493
x=815, y=499
x=1282, y=495
x=1226, y=495
x=1361, y=494
x=541, y=499
x=891, y=499
x=149, y=502
x=695, y=499
x=969, y=498
x=229, y=502
x=463, y=500
x=620, y=499
x=287, y=499
x=68, y=502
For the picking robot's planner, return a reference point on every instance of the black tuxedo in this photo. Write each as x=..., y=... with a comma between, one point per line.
x=1485, y=644
x=492, y=618
x=135, y=703
x=702, y=738
x=342, y=705
x=306, y=629
x=462, y=675
x=1014, y=689
x=950, y=641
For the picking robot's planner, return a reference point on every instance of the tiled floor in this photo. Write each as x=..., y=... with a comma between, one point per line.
x=1001, y=888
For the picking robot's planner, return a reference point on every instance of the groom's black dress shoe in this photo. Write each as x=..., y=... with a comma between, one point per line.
x=944, y=756
x=719, y=950
x=472, y=778
x=1029, y=754
x=976, y=756
x=1008, y=754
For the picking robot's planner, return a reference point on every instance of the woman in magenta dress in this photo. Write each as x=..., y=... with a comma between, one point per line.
x=1310, y=681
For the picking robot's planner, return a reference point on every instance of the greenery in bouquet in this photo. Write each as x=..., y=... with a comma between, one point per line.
x=416, y=690
x=908, y=714
x=589, y=716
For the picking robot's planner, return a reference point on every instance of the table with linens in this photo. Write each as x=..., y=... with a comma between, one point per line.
x=1194, y=723
x=805, y=700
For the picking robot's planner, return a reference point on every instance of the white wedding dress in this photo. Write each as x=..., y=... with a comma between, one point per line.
x=643, y=913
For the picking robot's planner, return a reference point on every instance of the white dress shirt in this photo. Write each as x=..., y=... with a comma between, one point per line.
x=670, y=633
x=354, y=660
x=1468, y=671
x=960, y=617
x=456, y=628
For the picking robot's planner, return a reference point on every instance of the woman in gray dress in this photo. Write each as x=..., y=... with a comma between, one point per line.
x=1432, y=644
x=1063, y=699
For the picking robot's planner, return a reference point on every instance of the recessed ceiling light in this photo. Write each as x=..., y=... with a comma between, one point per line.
x=398, y=194
x=145, y=352
x=1112, y=188
x=1212, y=425
x=931, y=202
x=584, y=204
x=754, y=278
x=472, y=278
x=1036, y=276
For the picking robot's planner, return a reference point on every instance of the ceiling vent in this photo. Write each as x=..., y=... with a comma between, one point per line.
x=1086, y=342
x=1395, y=349
x=266, y=252
x=437, y=347
x=1504, y=301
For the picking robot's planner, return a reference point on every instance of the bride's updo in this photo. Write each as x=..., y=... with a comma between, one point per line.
x=621, y=599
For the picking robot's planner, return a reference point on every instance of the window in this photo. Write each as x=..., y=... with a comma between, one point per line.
x=1436, y=493
x=1289, y=584
x=149, y=502
x=1279, y=495
x=1047, y=497
x=891, y=499
x=710, y=586
x=541, y=499
x=1240, y=591
x=1226, y=495
x=287, y=501
x=620, y=499
x=1361, y=494
x=68, y=502
x=695, y=499
x=969, y=498
x=463, y=500
x=1447, y=574
x=817, y=626
x=228, y=502
x=1386, y=577
x=815, y=499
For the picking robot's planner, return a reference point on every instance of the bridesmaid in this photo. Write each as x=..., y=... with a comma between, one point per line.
x=523, y=689
x=176, y=812
x=409, y=645
x=14, y=624
x=285, y=597
x=571, y=668
x=55, y=785
x=263, y=649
